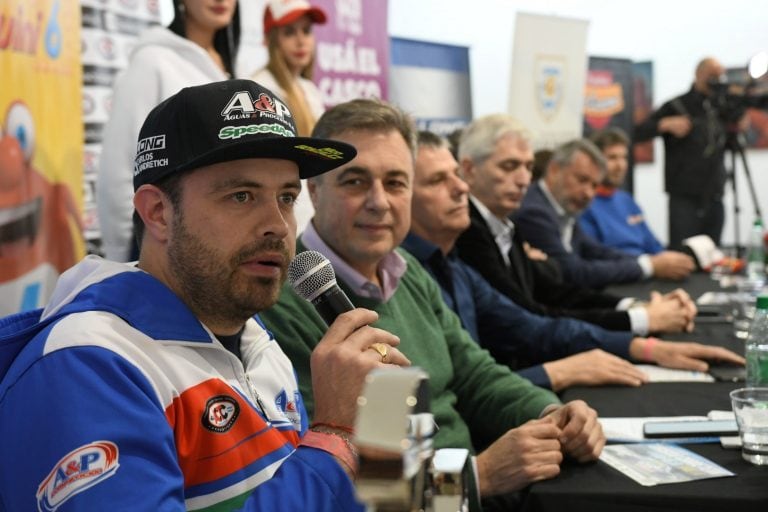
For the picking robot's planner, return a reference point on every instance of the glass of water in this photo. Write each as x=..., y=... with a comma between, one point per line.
x=750, y=405
x=743, y=304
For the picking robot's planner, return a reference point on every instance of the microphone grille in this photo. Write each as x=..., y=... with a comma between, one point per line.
x=310, y=273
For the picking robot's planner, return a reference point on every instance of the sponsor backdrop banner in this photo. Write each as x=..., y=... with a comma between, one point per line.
x=549, y=65
x=109, y=30
x=608, y=95
x=41, y=153
x=642, y=73
x=609, y=99
x=352, y=50
x=431, y=81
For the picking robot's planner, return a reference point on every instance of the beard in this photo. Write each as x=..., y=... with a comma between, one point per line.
x=211, y=283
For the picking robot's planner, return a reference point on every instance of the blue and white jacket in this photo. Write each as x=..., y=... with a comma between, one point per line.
x=115, y=397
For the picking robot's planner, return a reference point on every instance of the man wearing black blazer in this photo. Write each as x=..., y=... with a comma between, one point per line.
x=496, y=156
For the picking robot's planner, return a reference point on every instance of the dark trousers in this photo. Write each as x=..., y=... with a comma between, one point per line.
x=690, y=216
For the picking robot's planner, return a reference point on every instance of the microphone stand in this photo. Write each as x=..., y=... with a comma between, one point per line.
x=735, y=148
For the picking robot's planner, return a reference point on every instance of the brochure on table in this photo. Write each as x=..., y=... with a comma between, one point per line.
x=660, y=463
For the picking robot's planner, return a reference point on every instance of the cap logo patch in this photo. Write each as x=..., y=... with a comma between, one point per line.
x=220, y=413
x=145, y=158
x=77, y=471
x=150, y=144
x=329, y=153
x=242, y=106
x=235, y=132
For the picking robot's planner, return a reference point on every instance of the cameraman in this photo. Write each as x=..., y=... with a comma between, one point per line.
x=693, y=126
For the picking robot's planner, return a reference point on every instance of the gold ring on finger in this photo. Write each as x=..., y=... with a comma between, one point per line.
x=382, y=349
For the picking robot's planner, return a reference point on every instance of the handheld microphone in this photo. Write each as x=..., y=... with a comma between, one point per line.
x=313, y=278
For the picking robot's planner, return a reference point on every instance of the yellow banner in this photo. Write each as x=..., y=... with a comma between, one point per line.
x=41, y=148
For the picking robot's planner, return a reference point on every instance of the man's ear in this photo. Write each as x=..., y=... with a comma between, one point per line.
x=312, y=185
x=156, y=210
x=467, y=169
x=552, y=173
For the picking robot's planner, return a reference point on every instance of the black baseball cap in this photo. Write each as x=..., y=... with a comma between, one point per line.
x=224, y=121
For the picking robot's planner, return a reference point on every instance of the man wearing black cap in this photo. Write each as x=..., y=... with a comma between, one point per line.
x=155, y=387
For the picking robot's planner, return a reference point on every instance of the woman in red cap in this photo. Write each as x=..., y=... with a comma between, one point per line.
x=291, y=45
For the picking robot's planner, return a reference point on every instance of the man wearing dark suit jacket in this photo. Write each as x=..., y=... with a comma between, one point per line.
x=496, y=157
x=547, y=219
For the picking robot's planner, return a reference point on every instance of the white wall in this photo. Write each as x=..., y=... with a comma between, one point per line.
x=675, y=35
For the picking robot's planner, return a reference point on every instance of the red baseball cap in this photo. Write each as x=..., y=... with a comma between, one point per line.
x=284, y=12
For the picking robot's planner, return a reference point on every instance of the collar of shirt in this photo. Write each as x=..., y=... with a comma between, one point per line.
x=390, y=269
x=605, y=191
x=431, y=257
x=503, y=231
x=423, y=250
x=565, y=220
x=442, y=266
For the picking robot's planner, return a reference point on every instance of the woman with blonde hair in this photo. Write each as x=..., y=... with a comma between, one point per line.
x=291, y=45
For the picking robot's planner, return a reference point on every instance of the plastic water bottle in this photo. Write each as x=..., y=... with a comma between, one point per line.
x=756, y=252
x=757, y=345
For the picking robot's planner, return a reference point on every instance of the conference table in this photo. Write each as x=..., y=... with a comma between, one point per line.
x=598, y=487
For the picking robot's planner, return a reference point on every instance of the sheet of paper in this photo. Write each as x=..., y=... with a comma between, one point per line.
x=660, y=463
x=659, y=374
x=727, y=442
x=630, y=430
x=721, y=415
x=714, y=299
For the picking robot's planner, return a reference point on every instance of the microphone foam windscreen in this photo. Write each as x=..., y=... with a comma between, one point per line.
x=310, y=274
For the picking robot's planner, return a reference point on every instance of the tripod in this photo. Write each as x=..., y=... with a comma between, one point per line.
x=735, y=148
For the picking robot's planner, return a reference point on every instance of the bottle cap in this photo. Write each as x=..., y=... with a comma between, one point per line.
x=762, y=302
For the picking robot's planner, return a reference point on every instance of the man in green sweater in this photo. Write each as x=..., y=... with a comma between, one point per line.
x=362, y=213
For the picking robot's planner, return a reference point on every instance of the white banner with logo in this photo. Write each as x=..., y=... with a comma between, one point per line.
x=549, y=65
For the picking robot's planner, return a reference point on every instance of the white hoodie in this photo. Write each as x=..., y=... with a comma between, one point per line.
x=161, y=64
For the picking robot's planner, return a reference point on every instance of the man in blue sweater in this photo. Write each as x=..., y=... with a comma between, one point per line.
x=440, y=213
x=614, y=218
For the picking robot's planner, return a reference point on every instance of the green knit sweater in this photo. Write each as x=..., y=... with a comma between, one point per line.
x=472, y=397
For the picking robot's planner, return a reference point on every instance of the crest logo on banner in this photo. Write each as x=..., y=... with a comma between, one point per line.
x=549, y=81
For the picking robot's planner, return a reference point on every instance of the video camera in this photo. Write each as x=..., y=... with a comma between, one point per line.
x=731, y=98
